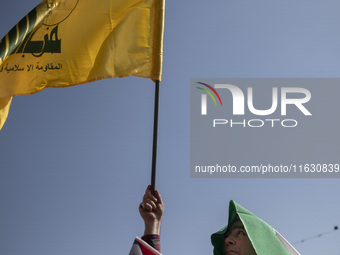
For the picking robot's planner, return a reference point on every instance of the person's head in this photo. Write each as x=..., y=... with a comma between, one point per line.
x=246, y=234
x=236, y=240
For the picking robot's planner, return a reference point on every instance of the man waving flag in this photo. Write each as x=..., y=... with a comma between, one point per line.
x=68, y=42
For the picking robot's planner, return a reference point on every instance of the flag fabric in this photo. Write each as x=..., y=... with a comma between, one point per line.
x=140, y=247
x=265, y=239
x=62, y=43
x=4, y=108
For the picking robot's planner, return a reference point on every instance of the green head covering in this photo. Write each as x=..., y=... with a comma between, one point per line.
x=265, y=239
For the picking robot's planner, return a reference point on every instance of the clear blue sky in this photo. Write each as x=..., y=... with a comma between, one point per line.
x=75, y=161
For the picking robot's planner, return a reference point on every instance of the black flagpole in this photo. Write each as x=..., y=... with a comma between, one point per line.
x=155, y=132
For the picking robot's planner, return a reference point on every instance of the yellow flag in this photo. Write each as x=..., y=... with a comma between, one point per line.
x=68, y=42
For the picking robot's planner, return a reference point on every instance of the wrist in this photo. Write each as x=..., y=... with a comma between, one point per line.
x=152, y=229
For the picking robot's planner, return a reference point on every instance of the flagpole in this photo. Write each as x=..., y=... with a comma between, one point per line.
x=155, y=132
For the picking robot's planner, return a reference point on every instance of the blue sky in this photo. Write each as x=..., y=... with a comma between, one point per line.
x=75, y=161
